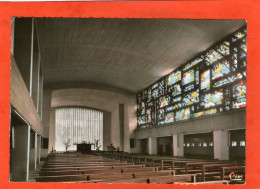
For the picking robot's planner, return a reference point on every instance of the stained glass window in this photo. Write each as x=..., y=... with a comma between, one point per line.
x=169, y=108
x=207, y=112
x=188, y=77
x=161, y=114
x=212, y=99
x=177, y=106
x=160, y=122
x=149, y=116
x=212, y=56
x=142, y=120
x=142, y=108
x=182, y=114
x=227, y=99
x=244, y=47
x=155, y=93
x=191, y=98
x=176, y=99
x=169, y=118
x=161, y=88
x=213, y=83
x=174, y=77
x=239, y=95
x=197, y=77
x=189, y=87
x=176, y=90
x=193, y=63
x=220, y=69
x=239, y=35
x=221, y=82
x=149, y=93
x=205, y=80
x=224, y=48
x=164, y=101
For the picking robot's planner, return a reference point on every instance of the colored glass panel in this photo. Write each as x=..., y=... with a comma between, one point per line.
x=244, y=47
x=174, y=77
x=149, y=116
x=197, y=77
x=176, y=99
x=224, y=48
x=155, y=93
x=161, y=114
x=189, y=87
x=176, y=90
x=193, y=63
x=191, y=98
x=144, y=126
x=164, y=101
x=188, y=77
x=160, y=122
x=177, y=106
x=228, y=80
x=227, y=99
x=142, y=120
x=182, y=114
x=169, y=118
x=239, y=95
x=220, y=69
x=207, y=112
x=170, y=108
x=150, y=104
x=149, y=93
x=239, y=35
x=205, y=80
x=212, y=56
x=142, y=108
x=212, y=99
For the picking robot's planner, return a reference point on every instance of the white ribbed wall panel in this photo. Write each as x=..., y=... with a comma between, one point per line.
x=77, y=124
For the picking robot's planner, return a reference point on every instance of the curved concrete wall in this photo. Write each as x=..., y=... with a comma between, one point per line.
x=106, y=101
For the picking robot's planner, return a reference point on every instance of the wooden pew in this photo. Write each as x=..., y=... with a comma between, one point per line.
x=152, y=180
x=97, y=171
x=212, y=170
x=90, y=167
x=228, y=170
x=103, y=176
x=84, y=165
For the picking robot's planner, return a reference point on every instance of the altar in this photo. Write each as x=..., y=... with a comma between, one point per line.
x=84, y=147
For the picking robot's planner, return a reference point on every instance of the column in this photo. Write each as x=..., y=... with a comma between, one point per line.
x=52, y=131
x=178, y=148
x=220, y=142
x=36, y=150
x=39, y=139
x=152, y=145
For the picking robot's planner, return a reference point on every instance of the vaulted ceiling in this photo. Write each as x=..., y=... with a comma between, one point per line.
x=126, y=54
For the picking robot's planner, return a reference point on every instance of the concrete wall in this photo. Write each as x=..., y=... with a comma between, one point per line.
x=106, y=130
x=46, y=107
x=21, y=100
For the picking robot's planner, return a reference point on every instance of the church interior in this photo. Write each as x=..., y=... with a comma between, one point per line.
x=98, y=100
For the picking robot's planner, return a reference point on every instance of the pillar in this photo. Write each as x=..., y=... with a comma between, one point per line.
x=152, y=146
x=52, y=131
x=39, y=139
x=178, y=148
x=221, y=149
x=36, y=150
